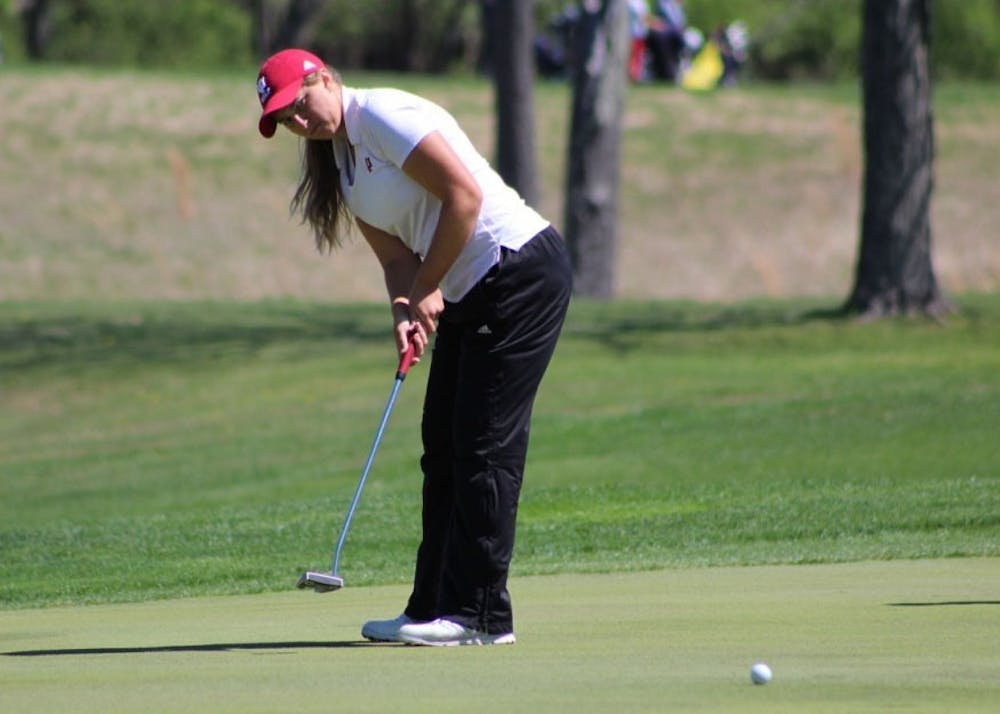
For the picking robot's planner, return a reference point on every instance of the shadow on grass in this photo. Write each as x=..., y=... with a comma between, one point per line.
x=166, y=333
x=623, y=325
x=949, y=603
x=38, y=336
x=222, y=647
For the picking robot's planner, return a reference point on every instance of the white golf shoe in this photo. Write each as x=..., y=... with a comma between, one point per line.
x=446, y=633
x=384, y=630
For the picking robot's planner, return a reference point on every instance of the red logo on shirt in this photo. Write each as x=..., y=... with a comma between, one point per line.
x=368, y=164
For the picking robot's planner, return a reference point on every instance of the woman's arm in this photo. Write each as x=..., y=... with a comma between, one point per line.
x=435, y=166
x=399, y=266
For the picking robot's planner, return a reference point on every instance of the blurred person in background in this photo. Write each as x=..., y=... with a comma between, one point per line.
x=638, y=18
x=666, y=39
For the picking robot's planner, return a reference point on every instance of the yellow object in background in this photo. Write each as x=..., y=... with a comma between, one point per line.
x=706, y=69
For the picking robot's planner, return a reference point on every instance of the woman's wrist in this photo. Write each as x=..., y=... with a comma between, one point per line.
x=400, y=309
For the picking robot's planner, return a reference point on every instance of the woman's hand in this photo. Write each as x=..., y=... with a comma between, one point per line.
x=426, y=307
x=408, y=331
x=411, y=332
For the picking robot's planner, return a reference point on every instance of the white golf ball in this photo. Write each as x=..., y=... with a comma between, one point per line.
x=760, y=673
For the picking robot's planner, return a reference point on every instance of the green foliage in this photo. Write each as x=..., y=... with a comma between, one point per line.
x=416, y=35
x=708, y=14
x=191, y=34
x=11, y=40
x=791, y=39
x=965, y=40
x=820, y=39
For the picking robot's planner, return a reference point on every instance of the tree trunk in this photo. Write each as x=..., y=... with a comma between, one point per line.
x=450, y=44
x=487, y=25
x=599, y=84
x=300, y=25
x=35, y=16
x=514, y=77
x=260, y=20
x=280, y=24
x=894, y=272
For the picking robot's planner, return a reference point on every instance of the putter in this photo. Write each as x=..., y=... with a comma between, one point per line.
x=327, y=582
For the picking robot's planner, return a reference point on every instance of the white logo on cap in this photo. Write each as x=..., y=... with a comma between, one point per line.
x=264, y=91
x=308, y=65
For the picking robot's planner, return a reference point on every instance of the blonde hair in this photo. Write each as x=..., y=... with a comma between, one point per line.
x=318, y=197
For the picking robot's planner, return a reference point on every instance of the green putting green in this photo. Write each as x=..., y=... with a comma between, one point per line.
x=915, y=636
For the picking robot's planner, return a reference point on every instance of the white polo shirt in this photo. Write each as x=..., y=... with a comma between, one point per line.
x=383, y=127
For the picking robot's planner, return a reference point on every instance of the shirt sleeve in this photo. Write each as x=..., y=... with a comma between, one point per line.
x=394, y=123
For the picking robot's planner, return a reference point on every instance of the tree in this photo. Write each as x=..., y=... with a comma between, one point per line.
x=894, y=272
x=429, y=34
x=35, y=16
x=513, y=77
x=278, y=25
x=600, y=51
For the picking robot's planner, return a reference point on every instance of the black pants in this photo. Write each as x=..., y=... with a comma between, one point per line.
x=665, y=48
x=490, y=353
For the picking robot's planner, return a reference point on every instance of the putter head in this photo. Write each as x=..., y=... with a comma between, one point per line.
x=320, y=582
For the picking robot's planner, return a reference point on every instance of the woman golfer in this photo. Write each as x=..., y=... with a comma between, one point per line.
x=464, y=258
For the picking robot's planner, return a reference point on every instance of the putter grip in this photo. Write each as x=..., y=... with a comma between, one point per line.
x=405, y=361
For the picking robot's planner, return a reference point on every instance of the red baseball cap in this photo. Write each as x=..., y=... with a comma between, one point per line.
x=279, y=82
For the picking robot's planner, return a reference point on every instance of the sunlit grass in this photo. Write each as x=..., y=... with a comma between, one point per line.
x=161, y=449
x=156, y=185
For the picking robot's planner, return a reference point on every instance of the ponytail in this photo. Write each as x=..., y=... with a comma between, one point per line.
x=318, y=197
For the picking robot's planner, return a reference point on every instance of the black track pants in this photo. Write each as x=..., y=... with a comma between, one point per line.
x=490, y=353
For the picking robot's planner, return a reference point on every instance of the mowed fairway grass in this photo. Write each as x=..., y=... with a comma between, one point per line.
x=708, y=485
